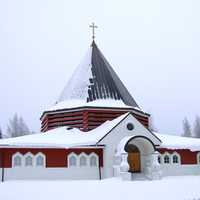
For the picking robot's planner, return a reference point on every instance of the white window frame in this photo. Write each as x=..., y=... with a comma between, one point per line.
x=86, y=157
x=76, y=157
x=198, y=156
x=179, y=158
x=97, y=159
x=44, y=159
x=33, y=159
x=163, y=160
x=16, y=155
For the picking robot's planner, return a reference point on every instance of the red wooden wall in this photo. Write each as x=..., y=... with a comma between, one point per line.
x=187, y=156
x=58, y=157
x=86, y=119
x=54, y=157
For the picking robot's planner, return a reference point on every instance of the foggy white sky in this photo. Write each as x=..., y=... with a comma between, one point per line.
x=153, y=46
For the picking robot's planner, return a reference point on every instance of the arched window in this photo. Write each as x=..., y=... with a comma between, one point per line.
x=166, y=159
x=72, y=160
x=175, y=159
x=83, y=161
x=40, y=160
x=17, y=161
x=93, y=161
x=28, y=161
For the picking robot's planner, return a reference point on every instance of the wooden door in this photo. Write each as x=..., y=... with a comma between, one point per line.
x=134, y=161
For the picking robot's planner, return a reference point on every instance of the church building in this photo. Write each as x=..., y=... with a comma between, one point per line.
x=97, y=130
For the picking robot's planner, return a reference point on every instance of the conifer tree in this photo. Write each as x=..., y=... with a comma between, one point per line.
x=197, y=127
x=17, y=127
x=186, y=128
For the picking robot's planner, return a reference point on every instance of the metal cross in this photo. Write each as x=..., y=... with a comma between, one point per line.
x=93, y=26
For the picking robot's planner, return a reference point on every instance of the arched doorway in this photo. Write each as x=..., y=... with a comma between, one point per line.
x=134, y=159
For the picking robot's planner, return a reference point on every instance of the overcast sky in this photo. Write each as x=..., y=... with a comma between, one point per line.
x=153, y=46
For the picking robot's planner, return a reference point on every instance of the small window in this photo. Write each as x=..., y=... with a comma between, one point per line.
x=130, y=126
x=83, y=161
x=72, y=161
x=175, y=159
x=39, y=160
x=159, y=159
x=93, y=161
x=166, y=159
x=17, y=161
x=28, y=161
x=198, y=158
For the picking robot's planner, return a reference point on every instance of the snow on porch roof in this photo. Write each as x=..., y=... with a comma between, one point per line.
x=62, y=137
x=168, y=142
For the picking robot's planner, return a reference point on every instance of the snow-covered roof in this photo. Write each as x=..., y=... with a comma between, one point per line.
x=178, y=142
x=168, y=142
x=109, y=103
x=94, y=79
x=63, y=137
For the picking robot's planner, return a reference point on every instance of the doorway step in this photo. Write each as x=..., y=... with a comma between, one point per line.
x=138, y=177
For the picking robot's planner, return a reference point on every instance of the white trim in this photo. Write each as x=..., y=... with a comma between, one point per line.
x=69, y=157
x=179, y=158
x=198, y=158
x=44, y=159
x=83, y=155
x=170, y=160
x=32, y=157
x=162, y=157
x=20, y=156
x=97, y=159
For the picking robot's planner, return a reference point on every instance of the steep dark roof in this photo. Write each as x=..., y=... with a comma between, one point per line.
x=95, y=79
x=105, y=82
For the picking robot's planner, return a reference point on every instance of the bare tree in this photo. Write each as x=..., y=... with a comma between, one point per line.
x=186, y=128
x=17, y=127
x=197, y=127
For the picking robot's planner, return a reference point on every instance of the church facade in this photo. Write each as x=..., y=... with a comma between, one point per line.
x=96, y=130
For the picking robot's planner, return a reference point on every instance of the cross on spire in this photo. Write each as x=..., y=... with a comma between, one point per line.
x=93, y=26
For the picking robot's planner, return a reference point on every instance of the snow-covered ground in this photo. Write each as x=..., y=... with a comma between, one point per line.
x=170, y=188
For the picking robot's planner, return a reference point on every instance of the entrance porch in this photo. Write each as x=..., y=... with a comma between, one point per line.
x=139, y=159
